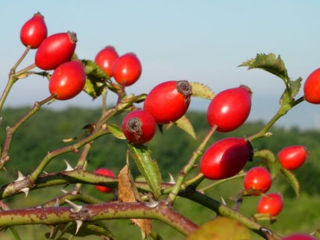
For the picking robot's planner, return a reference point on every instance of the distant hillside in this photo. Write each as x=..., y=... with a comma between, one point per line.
x=45, y=131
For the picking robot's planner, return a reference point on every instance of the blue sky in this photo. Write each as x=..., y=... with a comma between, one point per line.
x=201, y=41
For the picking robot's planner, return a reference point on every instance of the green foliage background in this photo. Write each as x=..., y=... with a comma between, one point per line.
x=45, y=131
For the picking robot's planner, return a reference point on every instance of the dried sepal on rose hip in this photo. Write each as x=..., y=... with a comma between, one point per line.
x=126, y=69
x=105, y=59
x=230, y=108
x=292, y=157
x=67, y=80
x=55, y=50
x=168, y=101
x=34, y=31
x=104, y=172
x=257, y=180
x=138, y=126
x=271, y=204
x=225, y=158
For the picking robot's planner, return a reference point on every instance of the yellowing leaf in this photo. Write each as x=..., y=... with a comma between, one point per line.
x=186, y=126
x=201, y=90
x=116, y=131
x=221, y=228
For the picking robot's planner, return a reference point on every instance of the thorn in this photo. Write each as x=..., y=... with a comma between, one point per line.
x=25, y=190
x=64, y=191
x=20, y=177
x=172, y=181
x=56, y=204
x=75, y=208
x=268, y=134
x=223, y=201
x=152, y=204
x=79, y=224
x=69, y=168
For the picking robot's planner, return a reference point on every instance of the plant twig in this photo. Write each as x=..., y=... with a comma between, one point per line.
x=188, y=167
x=11, y=130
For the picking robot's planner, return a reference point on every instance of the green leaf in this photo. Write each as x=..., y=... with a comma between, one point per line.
x=269, y=63
x=221, y=228
x=201, y=90
x=148, y=167
x=295, y=87
x=116, y=131
x=292, y=180
x=185, y=125
x=96, y=79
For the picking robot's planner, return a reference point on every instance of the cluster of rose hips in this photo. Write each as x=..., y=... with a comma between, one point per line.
x=167, y=102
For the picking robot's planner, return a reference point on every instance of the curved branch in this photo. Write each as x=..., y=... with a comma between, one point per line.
x=110, y=210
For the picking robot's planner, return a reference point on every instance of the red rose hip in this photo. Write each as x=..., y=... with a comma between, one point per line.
x=105, y=59
x=126, y=69
x=257, y=180
x=55, y=50
x=104, y=172
x=168, y=101
x=292, y=157
x=139, y=126
x=225, y=158
x=271, y=203
x=311, y=87
x=230, y=108
x=299, y=236
x=67, y=80
x=34, y=31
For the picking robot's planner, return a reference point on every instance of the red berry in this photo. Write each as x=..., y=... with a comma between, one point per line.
x=67, y=80
x=105, y=59
x=225, y=158
x=292, y=157
x=139, y=126
x=230, y=108
x=126, y=69
x=271, y=203
x=34, y=31
x=55, y=50
x=312, y=87
x=104, y=172
x=299, y=236
x=257, y=180
x=168, y=101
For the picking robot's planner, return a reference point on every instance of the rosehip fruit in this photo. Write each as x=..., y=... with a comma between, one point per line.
x=257, y=180
x=225, y=158
x=126, y=69
x=55, y=50
x=299, y=236
x=139, y=126
x=292, y=157
x=34, y=31
x=230, y=108
x=312, y=87
x=271, y=203
x=168, y=101
x=67, y=80
x=104, y=172
x=105, y=59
